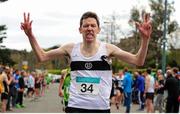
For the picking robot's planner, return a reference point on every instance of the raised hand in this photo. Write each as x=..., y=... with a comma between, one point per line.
x=26, y=25
x=145, y=27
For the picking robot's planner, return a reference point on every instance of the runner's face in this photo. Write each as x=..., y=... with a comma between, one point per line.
x=89, y=29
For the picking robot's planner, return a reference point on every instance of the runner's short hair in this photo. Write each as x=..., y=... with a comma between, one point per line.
x=89, y=14
x=148, y=70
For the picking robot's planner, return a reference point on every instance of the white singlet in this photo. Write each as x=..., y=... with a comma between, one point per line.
x=91, y=79
x=151, y=84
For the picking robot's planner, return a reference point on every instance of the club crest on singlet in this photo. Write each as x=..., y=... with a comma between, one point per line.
x=88, y=65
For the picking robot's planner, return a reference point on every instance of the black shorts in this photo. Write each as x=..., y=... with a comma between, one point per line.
x=30, y=89
x=37, y=85
x=4, y=96
x=80, y=110
x=120, y=89
x=150, y=96
x=65, y=103
x=112, y=93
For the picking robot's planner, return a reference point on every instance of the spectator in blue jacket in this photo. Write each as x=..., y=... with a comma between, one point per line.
x=140, y=85
x=127, y=83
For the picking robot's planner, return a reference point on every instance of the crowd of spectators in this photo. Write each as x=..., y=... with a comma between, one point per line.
x=15, y=85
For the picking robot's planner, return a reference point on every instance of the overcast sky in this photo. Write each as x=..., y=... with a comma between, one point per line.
x=56, y=22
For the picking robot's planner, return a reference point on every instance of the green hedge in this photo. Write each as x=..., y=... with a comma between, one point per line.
x=54, y=71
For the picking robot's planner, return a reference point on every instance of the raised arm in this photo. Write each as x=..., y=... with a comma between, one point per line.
x=145, y=30
x=40, y=53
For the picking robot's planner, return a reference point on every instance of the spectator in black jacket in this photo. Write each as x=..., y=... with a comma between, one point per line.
x=21, y=90
x=176, y=74
x=172, y=86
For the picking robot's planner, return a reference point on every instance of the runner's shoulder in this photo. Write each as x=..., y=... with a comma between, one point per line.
x=68, y=47
x=111, y=48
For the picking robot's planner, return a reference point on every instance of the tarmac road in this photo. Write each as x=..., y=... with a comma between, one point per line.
x=51, y=103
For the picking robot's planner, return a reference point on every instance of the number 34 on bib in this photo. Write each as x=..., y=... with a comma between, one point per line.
x=88, y=85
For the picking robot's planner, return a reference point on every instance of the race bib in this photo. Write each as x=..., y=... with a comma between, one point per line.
x=88, y=85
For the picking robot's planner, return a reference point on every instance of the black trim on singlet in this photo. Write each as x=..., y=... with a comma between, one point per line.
x=90, y=65
x=80, y=110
